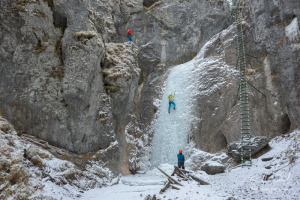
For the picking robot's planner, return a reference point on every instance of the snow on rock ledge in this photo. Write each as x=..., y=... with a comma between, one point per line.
x=27, y=170
x=257, y=143
x=213, y=167
x=210, y=163
x=292, y=31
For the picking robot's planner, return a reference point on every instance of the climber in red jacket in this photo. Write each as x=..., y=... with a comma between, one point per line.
x=129, y=35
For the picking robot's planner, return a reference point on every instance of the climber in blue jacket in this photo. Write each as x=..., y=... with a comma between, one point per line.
x=180, y=157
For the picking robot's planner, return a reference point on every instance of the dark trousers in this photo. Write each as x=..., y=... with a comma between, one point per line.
x=181, y=165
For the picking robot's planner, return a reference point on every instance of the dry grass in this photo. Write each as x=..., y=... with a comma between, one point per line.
x=5, y=128
x=58, y=50
x=2, y=112
x=18, y=8
x=244, y=23
x=37, y=161
x=57, y=72
x=23, y=2
x=47, y=81
x=45, y=39
x=17, y=176
x=250, y=72
x=11, y=142
x=279, y=42
x=128, y=4
x=292, y=159
x=84, y=34
x=40, y=48
x=111, y=88
x=39, y=13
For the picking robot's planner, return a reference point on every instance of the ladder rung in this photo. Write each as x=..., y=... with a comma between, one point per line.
x=247, y=141
x=247, y=138
x=245, y=106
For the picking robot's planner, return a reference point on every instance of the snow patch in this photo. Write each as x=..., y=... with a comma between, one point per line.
x=292, y=30
x=278, y=178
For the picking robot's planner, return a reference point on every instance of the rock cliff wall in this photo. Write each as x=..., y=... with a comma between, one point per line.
x=271, y=30
x=68, y=76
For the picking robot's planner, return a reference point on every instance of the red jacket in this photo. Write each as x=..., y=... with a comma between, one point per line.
x=128, y=32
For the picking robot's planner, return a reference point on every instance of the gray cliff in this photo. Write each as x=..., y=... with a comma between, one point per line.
x=68, y=75
x=271, y=30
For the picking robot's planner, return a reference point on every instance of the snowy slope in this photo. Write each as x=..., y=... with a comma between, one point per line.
x=239, y=183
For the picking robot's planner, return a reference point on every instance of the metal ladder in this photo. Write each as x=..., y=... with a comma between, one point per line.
x=243, y=89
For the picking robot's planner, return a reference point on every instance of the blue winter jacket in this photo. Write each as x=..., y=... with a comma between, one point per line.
x=180, y=157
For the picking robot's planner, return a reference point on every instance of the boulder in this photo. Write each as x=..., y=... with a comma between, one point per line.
x=258, y=142
x=213, y=167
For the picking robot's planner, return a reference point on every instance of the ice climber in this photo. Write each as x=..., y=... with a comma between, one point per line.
x=129, y=35
x=180, y=157
x=170, y=97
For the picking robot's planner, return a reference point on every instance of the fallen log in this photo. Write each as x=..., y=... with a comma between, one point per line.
x=181, y=173
x=174, y=187
x=169, y=177
x=188, y=174
x=178, y=172
x=182, y=170
x=165, y=188
x=202, y=182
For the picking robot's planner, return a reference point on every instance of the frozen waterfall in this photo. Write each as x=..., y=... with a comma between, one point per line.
x=172, y=130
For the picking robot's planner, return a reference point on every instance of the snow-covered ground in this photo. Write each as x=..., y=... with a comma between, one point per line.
x=278, y=178
x=28, y=171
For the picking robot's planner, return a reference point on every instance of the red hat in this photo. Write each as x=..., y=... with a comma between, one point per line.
x=180, y=150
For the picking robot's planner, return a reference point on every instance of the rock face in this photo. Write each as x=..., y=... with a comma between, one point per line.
x=278, y=51
x=210, y=163
x=26, y=168
x=213, y=168
x=257, y=143
x=68, y=77
x=57, y=80
x=168, y=33
x=272, y=34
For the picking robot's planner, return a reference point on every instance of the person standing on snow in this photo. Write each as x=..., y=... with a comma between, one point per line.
x=170, y=97
x=180, y=157
x=129, y=35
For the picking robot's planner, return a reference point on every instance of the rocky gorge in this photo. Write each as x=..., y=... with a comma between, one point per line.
x=69, y=76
